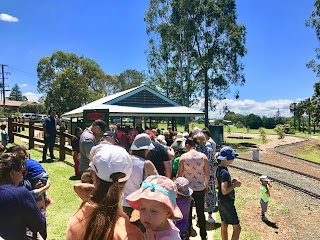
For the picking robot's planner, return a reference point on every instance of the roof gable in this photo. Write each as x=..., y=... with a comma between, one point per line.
x=142, y=96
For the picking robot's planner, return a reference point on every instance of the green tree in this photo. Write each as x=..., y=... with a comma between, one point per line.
x=128, y=79
x=315, y=101
x=253, y=121
x=314, y=22
x=16, y=94
x=269, y=123
x=32, y=108
x=197, y=41
x=70, y=81
x=293, y=109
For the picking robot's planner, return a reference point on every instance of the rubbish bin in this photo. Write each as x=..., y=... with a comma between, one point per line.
x=216, y=132
x=255, y=154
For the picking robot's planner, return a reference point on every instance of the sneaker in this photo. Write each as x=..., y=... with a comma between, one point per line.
x=211, y=220
x=48, y=202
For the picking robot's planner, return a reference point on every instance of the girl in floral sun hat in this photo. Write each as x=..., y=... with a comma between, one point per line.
x=156, y=201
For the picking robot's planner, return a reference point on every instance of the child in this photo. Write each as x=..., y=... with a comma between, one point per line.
x=156, y=201
x=226, y=195
x=183, y=201
x=4, y=135
x=264, y=195
x=181, y=150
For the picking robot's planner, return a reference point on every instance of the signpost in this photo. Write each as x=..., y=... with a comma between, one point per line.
x=89, y=116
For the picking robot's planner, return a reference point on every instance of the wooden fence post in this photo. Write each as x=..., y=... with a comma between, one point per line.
x=31, y=134
x=23, y=121
x=62, y=152
x=10, y=130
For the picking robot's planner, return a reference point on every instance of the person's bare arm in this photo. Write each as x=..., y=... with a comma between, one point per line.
x=41, y=188
x=167, y=169
x=206, y=172
x=170, y=153
x=225, y=189
x=181, y=166
x=83, y=190
x=150, y=169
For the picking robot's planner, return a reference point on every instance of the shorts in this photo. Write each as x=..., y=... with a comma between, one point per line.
x=228, y=213
x=264, y=206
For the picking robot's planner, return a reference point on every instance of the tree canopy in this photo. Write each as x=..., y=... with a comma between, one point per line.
x=196, y=48
x=16, y=94
x=69, y=81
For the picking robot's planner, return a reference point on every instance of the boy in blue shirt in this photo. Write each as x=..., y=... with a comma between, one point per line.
x=226, y=195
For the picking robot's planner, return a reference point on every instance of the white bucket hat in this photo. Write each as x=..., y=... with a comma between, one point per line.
x=142, y=141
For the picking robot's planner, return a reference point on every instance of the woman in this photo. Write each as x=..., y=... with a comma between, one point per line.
x=17, y=206
x=210, y=197
x=194, y=166
x=76, y=149
x=100, y=217
x=141, y=169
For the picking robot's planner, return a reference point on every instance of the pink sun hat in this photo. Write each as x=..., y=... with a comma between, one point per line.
x=157, y=188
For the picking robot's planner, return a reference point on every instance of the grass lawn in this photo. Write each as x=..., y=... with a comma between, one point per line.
x=311, y=152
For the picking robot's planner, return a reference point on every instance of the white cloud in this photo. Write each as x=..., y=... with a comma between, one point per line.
x=8, y=18
x=23, y=85
x=247, y=106
x=32, y=97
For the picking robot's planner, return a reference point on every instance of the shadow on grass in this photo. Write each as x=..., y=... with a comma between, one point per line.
x=271, y=224
x=211, y=227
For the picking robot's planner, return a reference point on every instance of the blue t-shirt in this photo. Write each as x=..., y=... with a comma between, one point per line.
x=51, y=125
x=18, y=211
x=223, y=175
x=34, y=168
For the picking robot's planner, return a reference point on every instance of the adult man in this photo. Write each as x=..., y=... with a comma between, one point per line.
x=88, y=141
x=50, y=123
x=160, y=157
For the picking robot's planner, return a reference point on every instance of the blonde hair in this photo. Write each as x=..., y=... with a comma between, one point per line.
x=200, y=139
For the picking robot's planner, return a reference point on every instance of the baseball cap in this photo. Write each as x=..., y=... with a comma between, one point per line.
x=150, y=134
x=227, y=153
x=101, y=124
x=111, y=159
x=142, y=141
x=110, y=134
x=162, y=139
x=183, y=186
x=265, y=178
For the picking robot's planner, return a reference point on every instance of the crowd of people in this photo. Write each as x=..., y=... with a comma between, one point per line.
x=143, y=187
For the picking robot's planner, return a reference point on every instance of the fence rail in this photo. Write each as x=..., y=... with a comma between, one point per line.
x=16, y=125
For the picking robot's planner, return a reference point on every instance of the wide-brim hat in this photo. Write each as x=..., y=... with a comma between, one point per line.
x=265, y=178
x=183, y=186
x=142, y=141
x=157, y=188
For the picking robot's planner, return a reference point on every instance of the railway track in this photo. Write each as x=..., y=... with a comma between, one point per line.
x=280, y=167
x=278, y=150
x=310, y=193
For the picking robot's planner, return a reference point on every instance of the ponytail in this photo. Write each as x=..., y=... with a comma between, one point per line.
x=106, y=199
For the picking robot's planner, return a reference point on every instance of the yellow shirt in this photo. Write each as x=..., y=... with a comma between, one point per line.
x=123, y=230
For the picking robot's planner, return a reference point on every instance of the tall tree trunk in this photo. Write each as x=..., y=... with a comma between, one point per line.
x=206, y=98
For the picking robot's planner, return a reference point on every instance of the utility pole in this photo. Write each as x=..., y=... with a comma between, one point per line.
x=3, y=87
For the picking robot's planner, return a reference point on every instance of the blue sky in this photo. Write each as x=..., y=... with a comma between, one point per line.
x=113, y=34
